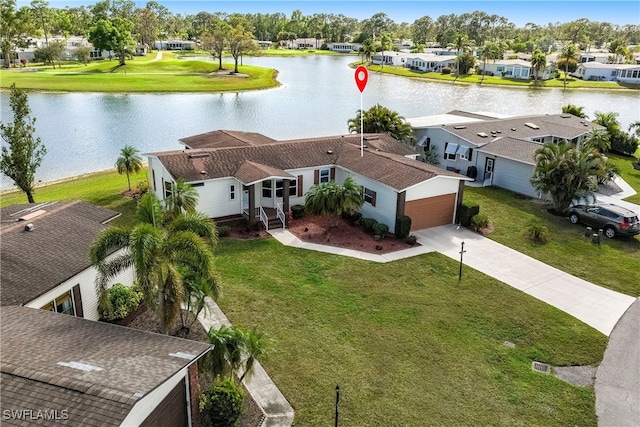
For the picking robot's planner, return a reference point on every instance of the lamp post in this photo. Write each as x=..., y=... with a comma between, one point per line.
x=462, y=251
x=337, y=402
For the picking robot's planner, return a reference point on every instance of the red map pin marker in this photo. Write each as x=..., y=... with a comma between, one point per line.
x=362, y=75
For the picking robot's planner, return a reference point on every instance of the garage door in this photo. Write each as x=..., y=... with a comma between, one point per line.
x=431, y=212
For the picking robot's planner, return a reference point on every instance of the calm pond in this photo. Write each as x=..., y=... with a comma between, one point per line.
x=84, y=132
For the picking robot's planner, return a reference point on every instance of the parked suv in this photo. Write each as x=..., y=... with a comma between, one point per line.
x=614, y=220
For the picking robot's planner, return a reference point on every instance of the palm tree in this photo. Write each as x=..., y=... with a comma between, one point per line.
x=538, y=62
x=156, y=252
x=488, y=51
x=194, y=298
x=574, y=110
x=234, y=349
x=608, y=120
x=334, y=199
x=184, y=198
x=597, y=140
x=634, y=128
x=568, y=54
x=462, y=44
x=129, y=162
x=379, y=119
x=566, y=173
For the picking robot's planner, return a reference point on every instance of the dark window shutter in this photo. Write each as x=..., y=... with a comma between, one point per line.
x=445, y=149
x=299, y=194
x=373, y=198
x=77, y=301
x=316, y=177
x=333, y=174
x=470, y=153
x=428, y=145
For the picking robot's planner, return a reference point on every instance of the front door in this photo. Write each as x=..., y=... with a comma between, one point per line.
x=488, y=171
x=245, y=198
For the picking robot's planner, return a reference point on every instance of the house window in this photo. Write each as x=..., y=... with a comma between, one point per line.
x=232, y=192
x=62, y=304
x=370, y=196
x=168, y=189
x=293, y=187
x=450, y=151
x=266, y=189
x=325, y=176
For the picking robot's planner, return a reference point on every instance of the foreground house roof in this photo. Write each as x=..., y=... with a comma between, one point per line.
x=225, y=138
x=55, y=249
x=385, y=160
x=512, y=148
x=96, y=371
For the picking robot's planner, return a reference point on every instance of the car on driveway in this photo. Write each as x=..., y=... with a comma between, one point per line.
x=612, y=219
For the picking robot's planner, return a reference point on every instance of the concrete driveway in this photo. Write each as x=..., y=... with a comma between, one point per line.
x=596, y=306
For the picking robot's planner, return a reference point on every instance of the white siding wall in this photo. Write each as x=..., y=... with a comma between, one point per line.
x=386, y=202
x=514, y=176
x=434, y=187
x=214, y=198
x=87, y=281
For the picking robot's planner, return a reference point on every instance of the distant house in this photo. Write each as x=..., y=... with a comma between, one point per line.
x=495, y=150
x=514, y=68
x=63, y=370
x=264, y=44
x=344, y=47
x=601, y=57
x=625, y=73
x=304, y=43
x=175, y=45
x=246, y=174
x=389, y=57
x=45, y=256
x=429, y=62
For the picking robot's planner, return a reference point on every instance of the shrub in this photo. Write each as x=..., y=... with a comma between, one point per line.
x=224, y=231
x=466, y=212
x=380, y=229
x=403, y=226
x=221, y=405
x=123, y=299
x=368, y=223
x=297, y=211
x=411, y=239
x=446, y=70
x=623, y=143
x=537, y=232
x=479, y=221
x=143, y=186
x=354, y=218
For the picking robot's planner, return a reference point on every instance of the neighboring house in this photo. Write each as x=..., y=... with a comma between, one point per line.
x=45, y=256
x=63, y=370
x=389, y=57
x=344, y=47
x=625, y=73
x=514, y=68
x=429, y=62
x=245, y=174
x=496, y=151
x=264, y=44
x=601, y=57
x=71, y=44
x=175, y=45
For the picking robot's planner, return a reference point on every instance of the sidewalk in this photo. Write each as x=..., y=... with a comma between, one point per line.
x=276, y=409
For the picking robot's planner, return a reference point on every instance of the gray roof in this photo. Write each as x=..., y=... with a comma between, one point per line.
x=42, y=352
x=565, y=126
x=34, y=262
x=512, y=148
x=384, y=160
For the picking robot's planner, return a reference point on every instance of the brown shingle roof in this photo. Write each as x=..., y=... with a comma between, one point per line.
x=127, y=363
x=225, y=138
x=34, y=262
x=383, y=160
x=560, y=125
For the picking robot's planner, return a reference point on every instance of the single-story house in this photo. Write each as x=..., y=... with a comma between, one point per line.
x=264, y=44
x=389, y=57
x=344, y=47
x=247, y=174
x=626, y=73
x=496, y=151
x=175, y=45
x=601, y=57
x=514, y=68
x=45, y=256
x=429, y=62
x=67, y=371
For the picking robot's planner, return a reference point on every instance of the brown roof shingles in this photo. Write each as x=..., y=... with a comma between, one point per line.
x=225, y=138
x=34, y=342
x=34, y=262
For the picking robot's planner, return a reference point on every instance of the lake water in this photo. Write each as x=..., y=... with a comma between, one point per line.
x=84, y=132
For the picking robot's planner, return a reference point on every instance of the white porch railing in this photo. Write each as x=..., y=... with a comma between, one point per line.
x=263, y=217
x=280, y=213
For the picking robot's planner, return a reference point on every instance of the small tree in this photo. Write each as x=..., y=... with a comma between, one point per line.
x=334, y=199
x=51, y=53
x=196, y=291
x=82, y=54
x=23, y=154
x=221, y=404
x=379, y=119
x=129, y=162
x=184, y=198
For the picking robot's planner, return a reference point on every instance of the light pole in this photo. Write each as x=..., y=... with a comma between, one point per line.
x=337, y=402
x=462, y=251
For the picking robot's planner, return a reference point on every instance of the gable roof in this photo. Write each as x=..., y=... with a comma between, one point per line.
x=225, y=138
x=57, y=248
x=512, y=148
x=384, y=160
x=43, y=351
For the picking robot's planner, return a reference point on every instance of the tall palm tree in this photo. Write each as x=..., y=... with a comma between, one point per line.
x=184, y=198
x=568, y=54
x=488, y=51
x=129, y=162
x=538, y=62
x=574, y=110
x=608, y=120
x=379, y=119
x=156, y=252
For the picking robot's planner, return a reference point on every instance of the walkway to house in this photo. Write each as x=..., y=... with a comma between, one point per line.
x=276, y=409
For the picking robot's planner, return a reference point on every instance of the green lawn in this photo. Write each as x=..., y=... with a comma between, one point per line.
x=142, y=74
x=629, y=173
x=408, y=344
